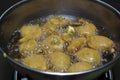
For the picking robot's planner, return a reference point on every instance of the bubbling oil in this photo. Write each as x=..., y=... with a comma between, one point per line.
x=13, y=45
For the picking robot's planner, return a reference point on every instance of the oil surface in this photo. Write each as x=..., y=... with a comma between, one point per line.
x=13, y=45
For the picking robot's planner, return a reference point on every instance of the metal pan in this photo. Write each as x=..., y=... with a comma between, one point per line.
x=97, y=11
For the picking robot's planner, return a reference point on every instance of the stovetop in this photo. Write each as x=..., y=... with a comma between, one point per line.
x=7, y=72
x=106, y=76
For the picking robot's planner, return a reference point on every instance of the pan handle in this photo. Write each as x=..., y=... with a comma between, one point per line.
x=3, y=53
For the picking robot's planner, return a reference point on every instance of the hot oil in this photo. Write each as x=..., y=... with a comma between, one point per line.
x=13, y=46
x=107, y=55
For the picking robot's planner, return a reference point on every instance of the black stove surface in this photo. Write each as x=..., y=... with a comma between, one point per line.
x=7, y=72
x=106, y=76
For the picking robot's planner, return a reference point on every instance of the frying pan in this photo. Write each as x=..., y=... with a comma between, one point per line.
x=24, y=11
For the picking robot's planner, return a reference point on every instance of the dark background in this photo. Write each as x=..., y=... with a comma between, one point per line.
x=6, y=71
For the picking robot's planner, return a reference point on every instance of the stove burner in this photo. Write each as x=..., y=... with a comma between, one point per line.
x=106, y=76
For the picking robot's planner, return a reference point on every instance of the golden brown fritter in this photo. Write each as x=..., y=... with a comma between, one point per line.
x=48, y=30
x=66, y=37
x=100, y=43
x=28, y=47
x=30, y=32
x=54, y=42
x=80, y=66
x=50, y=27
x=76, y=44
x=86, y=30
x=36, y=62
x=89, y=55
x=58, y=21
x=60, y=61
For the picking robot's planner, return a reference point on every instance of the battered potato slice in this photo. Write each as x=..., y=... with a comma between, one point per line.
x=60, y=61
x=58, y=21
x=54, y=42
x=80, y=66
x=68, y=34
x=66, y=37
x=48, y=29
x=76, y=44
x=36, y=61
x=28, y=47
x=86, y=30
x=100, y=43
x=30, y=32
x=89, y=55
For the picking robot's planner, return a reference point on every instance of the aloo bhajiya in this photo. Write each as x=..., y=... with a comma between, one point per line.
x=62, y=45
